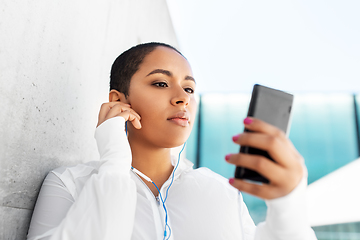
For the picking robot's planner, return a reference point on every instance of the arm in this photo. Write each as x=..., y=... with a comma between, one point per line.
x=286, y=217
x=46, y=217
x=248, y=227
x=285, y=193
x=107, y=200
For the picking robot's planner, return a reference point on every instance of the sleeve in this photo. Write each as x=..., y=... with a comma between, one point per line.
x=286, y=217
x=247, y=224
x=105, y=207
x=45, y=216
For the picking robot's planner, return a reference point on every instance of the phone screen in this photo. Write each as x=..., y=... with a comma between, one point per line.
x=274, y=107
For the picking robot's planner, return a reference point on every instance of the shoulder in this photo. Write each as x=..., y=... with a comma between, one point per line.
x=207, y=178
x=75, y=177
x=79, y=170
x=206, y=173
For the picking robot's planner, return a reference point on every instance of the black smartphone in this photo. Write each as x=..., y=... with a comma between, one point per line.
x=274, y=107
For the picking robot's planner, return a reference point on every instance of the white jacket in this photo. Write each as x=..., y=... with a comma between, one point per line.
x=105, y=200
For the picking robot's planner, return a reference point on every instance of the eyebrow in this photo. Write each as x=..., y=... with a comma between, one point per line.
x=168, y=73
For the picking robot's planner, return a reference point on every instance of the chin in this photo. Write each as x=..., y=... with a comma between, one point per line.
x=169, y=137
x=172, y=142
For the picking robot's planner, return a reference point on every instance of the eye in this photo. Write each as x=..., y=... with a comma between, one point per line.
x=161, y=84
x=189, y=90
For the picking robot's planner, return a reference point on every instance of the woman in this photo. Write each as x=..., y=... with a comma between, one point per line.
x=139, y=191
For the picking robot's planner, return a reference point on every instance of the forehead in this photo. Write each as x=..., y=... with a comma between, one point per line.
x=167, y=59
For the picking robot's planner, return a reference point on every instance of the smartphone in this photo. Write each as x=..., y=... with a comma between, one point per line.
x=274, y=107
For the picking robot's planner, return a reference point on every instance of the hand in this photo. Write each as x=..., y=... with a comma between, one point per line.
x=115, y=109
x=284, y=174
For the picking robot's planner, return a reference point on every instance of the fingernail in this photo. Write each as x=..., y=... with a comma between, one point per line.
x=231, y=180
x=235, y=138
x=227, y=157
x=247, y=121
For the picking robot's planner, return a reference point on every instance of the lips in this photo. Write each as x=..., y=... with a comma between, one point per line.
x=180, y=118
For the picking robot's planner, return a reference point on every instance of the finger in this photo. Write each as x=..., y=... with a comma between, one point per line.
x=264, y=191
x=106, y=107
x=277, y=148
x=257, y=125
x=135, y=121
x=128, y=115
x=267, y=168
x=118, y=108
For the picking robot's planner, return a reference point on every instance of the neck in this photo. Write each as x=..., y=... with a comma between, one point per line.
x=154, y=162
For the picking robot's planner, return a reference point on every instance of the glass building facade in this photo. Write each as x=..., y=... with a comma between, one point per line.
x=324, y=129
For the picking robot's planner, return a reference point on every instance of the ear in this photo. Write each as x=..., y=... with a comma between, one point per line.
x=115, y=96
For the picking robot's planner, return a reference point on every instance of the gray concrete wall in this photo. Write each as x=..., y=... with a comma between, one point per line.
x=55, y=58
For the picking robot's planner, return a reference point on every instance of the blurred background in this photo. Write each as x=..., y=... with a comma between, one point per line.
x=308, y=48
x=297, y=46
x=55, y=58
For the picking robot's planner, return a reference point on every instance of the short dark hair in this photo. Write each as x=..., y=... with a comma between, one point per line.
x=127, y=64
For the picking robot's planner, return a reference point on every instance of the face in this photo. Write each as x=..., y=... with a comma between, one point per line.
x=162, y=93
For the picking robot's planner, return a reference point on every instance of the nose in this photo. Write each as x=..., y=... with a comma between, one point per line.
x=180, y=97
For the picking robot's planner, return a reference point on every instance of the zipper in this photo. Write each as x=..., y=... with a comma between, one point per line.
x=156, y=197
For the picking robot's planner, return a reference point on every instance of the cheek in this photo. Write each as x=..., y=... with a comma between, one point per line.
x=144, y=103
x=149, y=109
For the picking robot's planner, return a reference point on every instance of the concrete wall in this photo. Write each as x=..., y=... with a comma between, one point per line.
x=55, y=58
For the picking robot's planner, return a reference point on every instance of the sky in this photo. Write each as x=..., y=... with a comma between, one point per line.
x=295, y=46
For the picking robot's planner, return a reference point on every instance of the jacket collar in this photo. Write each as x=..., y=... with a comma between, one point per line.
x=183, y=167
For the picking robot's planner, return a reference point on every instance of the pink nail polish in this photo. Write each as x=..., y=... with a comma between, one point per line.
x=247, y=121
x=231, y=180
x=227, y=157
x=235, y=138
